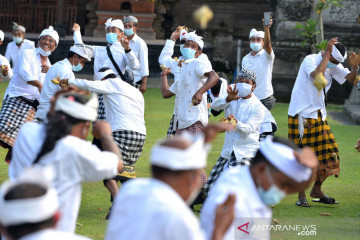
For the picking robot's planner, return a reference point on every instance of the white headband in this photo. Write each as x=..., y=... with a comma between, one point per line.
x=254, y=33
x=193, y=37
x=52, y=33
x=337, y=55
x=18, y=27
x=282, y=157
x=183, y=34
x=87, y=111
x=101, y=75
x=194, y=157
x=82, y=50
x=108, y=23
x=29, y=210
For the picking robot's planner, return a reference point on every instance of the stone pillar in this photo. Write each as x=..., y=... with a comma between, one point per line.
x=117, y=9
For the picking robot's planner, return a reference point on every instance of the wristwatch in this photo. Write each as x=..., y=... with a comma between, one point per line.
x=127, y=51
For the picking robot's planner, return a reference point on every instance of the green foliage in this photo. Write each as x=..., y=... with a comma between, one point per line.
x=325, y=4
x=307, y=31
x=322, y=45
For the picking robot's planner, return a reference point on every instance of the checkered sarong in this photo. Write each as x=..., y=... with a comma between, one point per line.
x=193, y=129
x=14, y=113
x=215, y=173
x=131, y=144
x=101, y=109
x=171, y=131
x=318, y=136
x=233, y=162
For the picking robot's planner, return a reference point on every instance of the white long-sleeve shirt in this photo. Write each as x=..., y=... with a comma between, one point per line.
x=138, y=45
x=124, y=104
x=63, y=69
x=5, y=62
x=74, y=161
x=101, y=58
x=13, y=51
x=306, y=100
x=52, y=234
x=248, y=205
x=27, y=69
x=192, y=78
x=150, y=209
x=250, y=114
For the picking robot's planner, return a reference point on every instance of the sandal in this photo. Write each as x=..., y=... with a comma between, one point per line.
x=325, y=200
x=302, y=203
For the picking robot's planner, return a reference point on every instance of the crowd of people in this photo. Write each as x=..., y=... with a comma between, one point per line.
x=47, y=113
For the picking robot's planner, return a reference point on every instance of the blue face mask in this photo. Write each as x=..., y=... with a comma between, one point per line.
x=78, y=67
x=111, y=38
x=188, y=53
x=17, y=40
x=255, y=47
x=273, y=195
x=129, y=32
x=330, y=65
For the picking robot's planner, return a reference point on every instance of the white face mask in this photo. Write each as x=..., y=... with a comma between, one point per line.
x=245, y=89
x=43, y=52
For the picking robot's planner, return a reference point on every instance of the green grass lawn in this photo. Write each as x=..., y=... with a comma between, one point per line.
x=343, y=223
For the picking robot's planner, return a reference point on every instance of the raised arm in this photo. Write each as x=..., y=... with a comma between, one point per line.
x=166, y=93
x=325, y=59
x=267, y=38
x=213, y=78
x=354, y=61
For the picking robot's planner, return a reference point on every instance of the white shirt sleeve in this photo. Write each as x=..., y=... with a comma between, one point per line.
x=270, y=57
x=220, y=103
x=202, y=68
x=166, y=53
x=174, y=87
x=143, y=59
x=340, y=73
x=105, y=86
x=180, y=228
x=131, y=60
x=309, y=65
x=253, y=122
x=25, y=67
x=95, y=165
x=7, y=53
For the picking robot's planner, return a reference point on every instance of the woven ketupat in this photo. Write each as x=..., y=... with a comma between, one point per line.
x=318, y=136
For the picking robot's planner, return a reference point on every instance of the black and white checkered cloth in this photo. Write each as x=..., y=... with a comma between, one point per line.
x=215, y=173
x=171, y=130
x=131, y=145
x=233, y=162
x=101, y=109
x=14, y=113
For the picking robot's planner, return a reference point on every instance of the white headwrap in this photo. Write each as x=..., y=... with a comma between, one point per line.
x=101, y=75
x=337, y=55
x=82, y=50
x=108, y=23
x=254, y=33
x=1, y=35
x=18, y=27
x=183, y=34
x=50, y=32
x=29, y=210
x=193, y=37
x=131, y=19
x=194, y=157
x=282, y=157
x=117, y=23
x=87, y=111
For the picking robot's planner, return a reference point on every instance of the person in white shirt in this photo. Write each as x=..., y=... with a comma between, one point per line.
x=22, y=94
x=196, y=77
x=125, y=108
x=166, y=60
x=307, y=124
x=138, y=45
x=157, y=207
x=66, y=150
x=278, y=168
x=29, y=209
x=6, y=72
x=261, y=60
x=78, y=55
x=19, y=44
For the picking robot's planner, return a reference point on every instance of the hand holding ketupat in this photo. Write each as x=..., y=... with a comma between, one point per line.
x=320, y=81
